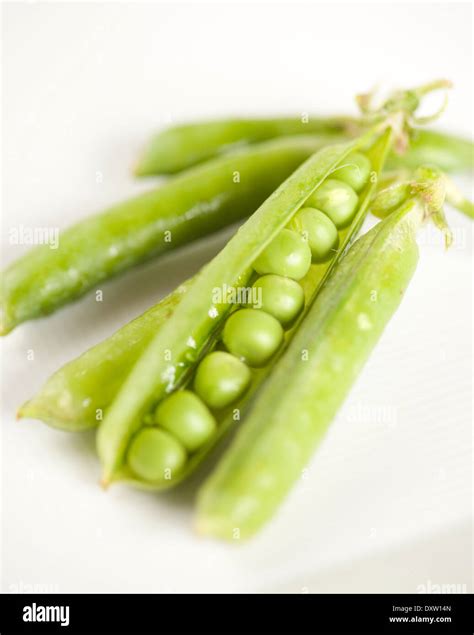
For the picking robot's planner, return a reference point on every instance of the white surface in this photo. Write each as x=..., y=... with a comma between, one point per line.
x=387, y=502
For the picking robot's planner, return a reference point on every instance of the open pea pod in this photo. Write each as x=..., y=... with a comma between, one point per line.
x=292, y=412
x=76, y=396
x=170, y=359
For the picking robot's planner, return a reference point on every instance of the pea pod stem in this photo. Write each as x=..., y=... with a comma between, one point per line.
x=295, y=407
x=396, y=185
x=457, y=200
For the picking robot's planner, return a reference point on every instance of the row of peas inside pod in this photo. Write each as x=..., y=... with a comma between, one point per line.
x=187, y=419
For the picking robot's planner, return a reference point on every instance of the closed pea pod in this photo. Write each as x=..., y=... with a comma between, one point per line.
x=191, y=205
x=180, y=147
x=296, y=405
x=75, y=397
x=450, y=153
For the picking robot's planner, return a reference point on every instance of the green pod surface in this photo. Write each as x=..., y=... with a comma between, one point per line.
x=74, y=397
x=296, y=405
x=450, y=153
x=389, y=199
x=194, y=204
x=180, y=147
x=173, y=353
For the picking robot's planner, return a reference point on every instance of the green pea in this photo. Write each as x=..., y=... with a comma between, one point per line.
x=336, y=199
x=355, y=171
x=319, y=230
x=252, y=335
x=220, y=379
x=187, y=418
x=287, y=255
x=155, y=456
x=281, y=297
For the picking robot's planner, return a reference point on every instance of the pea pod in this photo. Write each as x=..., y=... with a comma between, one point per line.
x=167, y=361
x=74, y=398
x=194, y=204
x=450, y=153
x=180, y=147
x=295, y=407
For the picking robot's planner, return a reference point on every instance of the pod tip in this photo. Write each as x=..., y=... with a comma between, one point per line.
x=6, y=323
x=137, y=169
x=214, y=527
x=4, y=328
x=200, y=526
x=24, y=411
x=105, y=482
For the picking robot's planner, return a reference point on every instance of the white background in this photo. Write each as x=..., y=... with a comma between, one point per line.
x=387, y=503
